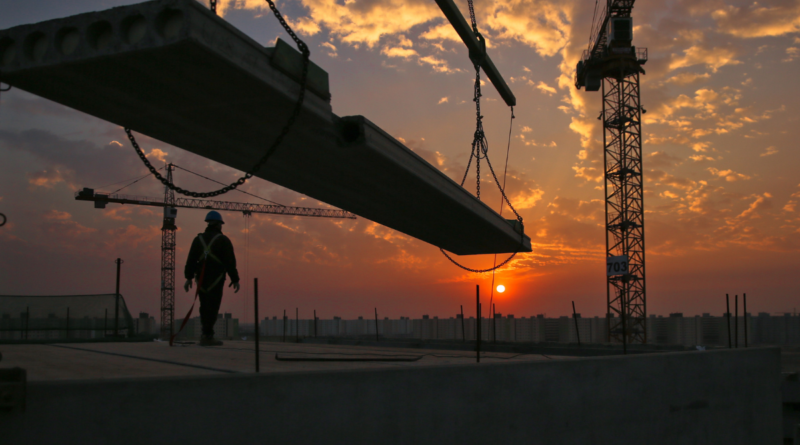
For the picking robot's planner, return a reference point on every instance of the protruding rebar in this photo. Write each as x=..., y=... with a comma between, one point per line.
x=728, y=314
x=478, y=322
x=376, y=325
x=744, y=303
x=575, y=317
x=736, y=320
x=255, y=306
x=463, y=328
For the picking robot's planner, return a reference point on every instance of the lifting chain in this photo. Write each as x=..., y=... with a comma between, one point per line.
x=480, y=146
x=212, y=4
x=270, y=151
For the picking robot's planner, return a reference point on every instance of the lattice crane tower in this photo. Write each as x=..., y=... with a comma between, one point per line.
x=613, y=64
x=168, y=260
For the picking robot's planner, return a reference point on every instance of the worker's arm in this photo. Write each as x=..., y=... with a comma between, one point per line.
x=195, y=252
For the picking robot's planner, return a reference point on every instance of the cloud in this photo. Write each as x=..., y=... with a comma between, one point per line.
x=405, y=53
x=792, y=53
x=544, y=26
x=660, y=159
x=713, y=58
x=729, y=175
x=437, y=64
x=45, y=178
x=405, y=42
x=357, y=22
x=443, y=100
x=759, y=21
x=769, y=151
x=441, y=32
x=527, y=199
x=700, y=158
x=682, y=79
x=544, y=88
x=158, y=153
x=332, y=52
x=61, y=223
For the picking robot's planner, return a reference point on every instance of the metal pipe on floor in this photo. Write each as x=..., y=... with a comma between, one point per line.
x=494, y=323
x=255, y=307
x=736, y=320
x=728, y=314
x=463, y=328
x=575, y=317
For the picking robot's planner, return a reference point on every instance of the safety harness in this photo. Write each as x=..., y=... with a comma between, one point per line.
x=206, y=255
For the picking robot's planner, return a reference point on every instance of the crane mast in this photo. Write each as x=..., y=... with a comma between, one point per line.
x=612, y=64
x=168, y=229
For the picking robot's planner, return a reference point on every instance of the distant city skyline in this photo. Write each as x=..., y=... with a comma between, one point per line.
x=721, y=182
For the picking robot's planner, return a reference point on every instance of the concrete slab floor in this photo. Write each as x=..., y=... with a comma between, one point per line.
x=156, y=359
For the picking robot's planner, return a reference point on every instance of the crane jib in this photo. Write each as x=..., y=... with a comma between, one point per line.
x=102, y=199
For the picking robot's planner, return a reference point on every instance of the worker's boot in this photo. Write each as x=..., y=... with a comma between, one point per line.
x=208, y=340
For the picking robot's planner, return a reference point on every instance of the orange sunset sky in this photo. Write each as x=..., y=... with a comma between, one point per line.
x=720, y=159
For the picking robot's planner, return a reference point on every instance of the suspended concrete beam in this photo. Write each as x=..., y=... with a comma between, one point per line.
x=174, y=71
x=476, y=49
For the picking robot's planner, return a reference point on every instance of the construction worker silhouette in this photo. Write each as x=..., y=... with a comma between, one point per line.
x=210, y=258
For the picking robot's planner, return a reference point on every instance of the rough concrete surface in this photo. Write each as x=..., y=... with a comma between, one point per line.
x=156, y=359
x=709, y=397
x=173, y=70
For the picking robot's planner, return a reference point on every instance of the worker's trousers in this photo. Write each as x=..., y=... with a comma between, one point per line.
x=209, y=308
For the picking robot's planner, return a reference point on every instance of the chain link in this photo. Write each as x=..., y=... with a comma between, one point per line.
x=213, y=6
x=298, y=108
x=480, y=150
x=479, y=270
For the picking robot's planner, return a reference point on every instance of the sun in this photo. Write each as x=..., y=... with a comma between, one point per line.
x=501, y=288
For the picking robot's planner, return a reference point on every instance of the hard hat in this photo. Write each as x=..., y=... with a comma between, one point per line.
x=214, y=216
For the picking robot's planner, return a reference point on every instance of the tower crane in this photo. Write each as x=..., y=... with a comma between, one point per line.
x=168, y=228
x=613, y=64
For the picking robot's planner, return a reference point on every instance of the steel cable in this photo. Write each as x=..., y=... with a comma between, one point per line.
x=222, y=183
x=480, y=151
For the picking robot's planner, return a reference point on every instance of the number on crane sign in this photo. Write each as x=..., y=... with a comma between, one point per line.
x=617, y=265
